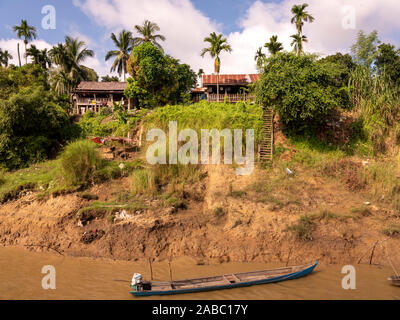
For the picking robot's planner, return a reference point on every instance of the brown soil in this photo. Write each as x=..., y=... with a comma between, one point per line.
x=227, y=219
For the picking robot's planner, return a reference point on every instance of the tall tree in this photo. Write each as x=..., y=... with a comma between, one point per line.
x=259, y=57
x=217, y=44
x=147, y=34
x=40, y=57
x=200, y=73
x=273, y=45
x=4, y=57
x=300, y=15
x=69, y=57
x=365, y=51
x=27, y=32
x=388, y=62
x=124, y=43
x=297, y=43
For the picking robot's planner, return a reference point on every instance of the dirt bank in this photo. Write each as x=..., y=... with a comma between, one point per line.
x=227, y=218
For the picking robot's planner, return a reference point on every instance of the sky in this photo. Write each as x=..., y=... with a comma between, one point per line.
x=247, y=25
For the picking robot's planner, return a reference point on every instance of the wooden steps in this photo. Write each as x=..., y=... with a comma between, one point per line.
x=267, y=143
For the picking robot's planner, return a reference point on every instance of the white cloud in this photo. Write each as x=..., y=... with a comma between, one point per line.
x=11, y=46
x=102, y=68
x=185, y=27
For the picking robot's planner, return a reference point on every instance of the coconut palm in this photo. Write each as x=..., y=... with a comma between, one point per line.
x=40, y=57
x=69, y=57
x=124, y=43
x=200, y=73
x=297, y=43
x=4, y=57
x=76, y=54
x=147, y=34
x=300, y=15
x=27, y=32
x=217, y=44
x=259, y=57
x=273, y=45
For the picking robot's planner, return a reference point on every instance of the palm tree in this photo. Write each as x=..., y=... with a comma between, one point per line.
x=200, y=73
x=124, y=43
x=300, y=16
x=259, y=57
x=27, y=32
x=146, y=34
x=40, y=57
x=273, y=45
x=4, y=57
x=69, y=58
x=297, y=43
x=217, y=45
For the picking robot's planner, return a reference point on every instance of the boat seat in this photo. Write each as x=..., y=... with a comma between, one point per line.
x=231, y=278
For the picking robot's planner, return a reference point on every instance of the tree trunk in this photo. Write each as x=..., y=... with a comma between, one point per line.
x=26, y=57
x=19, y=56
x=217, y=86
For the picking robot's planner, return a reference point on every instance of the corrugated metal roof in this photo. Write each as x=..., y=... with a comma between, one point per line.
x=237, y=79
x=101, y=86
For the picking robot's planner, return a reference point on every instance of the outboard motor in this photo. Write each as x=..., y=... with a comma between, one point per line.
x=136, y=279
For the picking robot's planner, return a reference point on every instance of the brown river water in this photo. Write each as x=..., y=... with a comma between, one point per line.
x=86, y=278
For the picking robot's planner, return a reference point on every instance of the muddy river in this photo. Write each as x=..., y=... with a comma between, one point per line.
x=85, y=278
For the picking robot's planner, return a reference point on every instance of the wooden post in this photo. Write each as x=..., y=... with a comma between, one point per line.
x=151, y=270
x=170, y=269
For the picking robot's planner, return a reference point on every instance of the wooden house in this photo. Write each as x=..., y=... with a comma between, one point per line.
x=232, y=87
x=96, y=95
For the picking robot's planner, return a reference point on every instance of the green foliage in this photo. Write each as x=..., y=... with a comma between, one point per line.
x=32, y=126
x=388, y=62
x=364, y=50
x=204, y=115
x=302, y=91
x=39, y=176
x=79, y=162
x=103, y=125
x=13, y=79
x=157, y=79
x=108, y=78
x=378, y=101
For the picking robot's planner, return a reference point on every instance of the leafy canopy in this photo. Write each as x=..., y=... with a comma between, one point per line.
x=301, y=90
x=157, y=79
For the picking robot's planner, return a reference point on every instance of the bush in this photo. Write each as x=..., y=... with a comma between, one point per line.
x=79, y=162
x=302, y=90
x=32, y=128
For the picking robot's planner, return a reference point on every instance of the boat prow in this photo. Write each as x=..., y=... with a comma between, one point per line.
x=394, y=280
x=227, y=281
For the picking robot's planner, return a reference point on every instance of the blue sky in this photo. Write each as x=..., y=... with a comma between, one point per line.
x=247, y=24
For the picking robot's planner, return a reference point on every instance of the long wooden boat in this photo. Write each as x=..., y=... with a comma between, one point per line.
x=227, y=281
x=394, y=280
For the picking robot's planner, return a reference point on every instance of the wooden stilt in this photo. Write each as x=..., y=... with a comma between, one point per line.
x=151, y=270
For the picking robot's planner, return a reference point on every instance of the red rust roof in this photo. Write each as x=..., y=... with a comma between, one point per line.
x=238, y=79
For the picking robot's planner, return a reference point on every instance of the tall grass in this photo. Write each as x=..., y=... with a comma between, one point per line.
x=377, y=101
x=78, y=162
x=204, y=115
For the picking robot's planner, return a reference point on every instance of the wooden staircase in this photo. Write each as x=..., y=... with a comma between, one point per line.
x=266, y=148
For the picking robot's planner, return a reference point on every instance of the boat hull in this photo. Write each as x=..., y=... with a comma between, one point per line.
x=289, y=276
